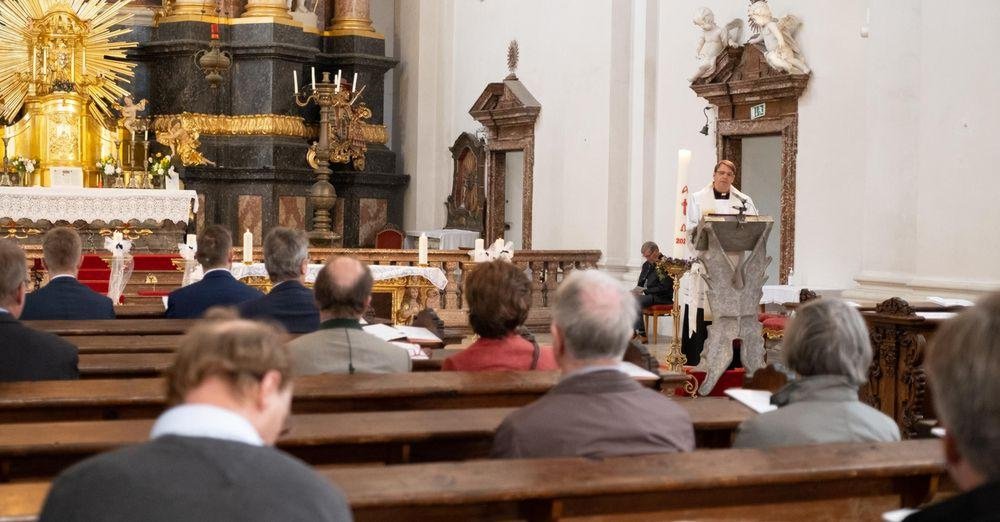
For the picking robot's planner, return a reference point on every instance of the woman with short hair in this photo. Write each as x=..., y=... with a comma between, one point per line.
x=499, y=297
x=827, y=345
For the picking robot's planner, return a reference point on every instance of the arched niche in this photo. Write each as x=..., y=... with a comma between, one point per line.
x=753, y=99
x=509, y=112
x=467, y=201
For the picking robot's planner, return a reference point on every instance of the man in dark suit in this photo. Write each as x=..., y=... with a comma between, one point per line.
x=651, y=289
x=217, y=287
x=210, y=457
x=596, y=410
x=26, y=354
x=286, y=257
x=962, y=363
x=64, y=297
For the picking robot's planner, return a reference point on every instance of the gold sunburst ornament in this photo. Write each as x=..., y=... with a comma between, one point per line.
x=63, y=46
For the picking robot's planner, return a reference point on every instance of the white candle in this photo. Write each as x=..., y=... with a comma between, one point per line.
x=337, y=82
x=117, y=236
x=422, y=250
x=191, y=240
x=354, y=84
x=312, y=71
x=680, y=250
x=145, y=135
x=477, y=255
x=295, y=80
x=480, y=244
x=247, y=247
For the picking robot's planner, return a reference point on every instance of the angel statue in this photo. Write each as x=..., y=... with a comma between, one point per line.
x=183, y=143
x=782, y=52
x=130, y=112
x=713, y=41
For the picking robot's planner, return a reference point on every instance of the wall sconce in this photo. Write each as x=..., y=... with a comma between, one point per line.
x=704, y=130
x=213, y=62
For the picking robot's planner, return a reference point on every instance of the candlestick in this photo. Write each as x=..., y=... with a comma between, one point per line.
x=247, y=247
x=680, y=249
x=312, y=71
x=145, y=135
x=354, y=84
x=295, y=81
x=422, y=250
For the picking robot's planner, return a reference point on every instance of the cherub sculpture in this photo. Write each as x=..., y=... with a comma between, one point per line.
x=183, y=143
x=713, y=41
x=782, y=52
x=130, y=112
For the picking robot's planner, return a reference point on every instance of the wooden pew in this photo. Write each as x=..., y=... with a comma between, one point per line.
x=101, y=344
x=145, y=398
x=825, y=482
x=41, y=450
x=126, y=365
x=114, y=327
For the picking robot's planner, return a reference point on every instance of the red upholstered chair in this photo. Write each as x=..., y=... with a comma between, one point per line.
x=651, y=314
x=774, y=326
x=389, y=237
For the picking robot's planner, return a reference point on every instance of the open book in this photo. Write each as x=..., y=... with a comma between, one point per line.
x=757, y=400
x=395, y=333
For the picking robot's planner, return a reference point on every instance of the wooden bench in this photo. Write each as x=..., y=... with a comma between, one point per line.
x=95, y=399
x=825, y=482
x=41, y=450
x=114, y=326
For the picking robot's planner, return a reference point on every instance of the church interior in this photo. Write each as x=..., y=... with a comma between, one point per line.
x=755, y=164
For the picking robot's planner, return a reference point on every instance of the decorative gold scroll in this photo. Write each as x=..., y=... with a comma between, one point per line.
x=258, y=125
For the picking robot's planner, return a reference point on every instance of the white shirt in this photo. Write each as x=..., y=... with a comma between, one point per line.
x=204, y=420
x=53, y=278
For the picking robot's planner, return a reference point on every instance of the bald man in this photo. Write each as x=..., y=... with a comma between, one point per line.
x=343, y=292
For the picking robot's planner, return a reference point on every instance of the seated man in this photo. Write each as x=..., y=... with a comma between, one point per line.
x=963, y=362
x=651, y=289
x=343, y=293
x=286, y=256
x=26, y=354
x=64, y=297
x=210, y=458
x=596, y=410
x=217, y=285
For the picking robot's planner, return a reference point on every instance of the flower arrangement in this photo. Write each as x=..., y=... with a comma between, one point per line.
x=159, y=165
x=109, y=166
x=24, y=165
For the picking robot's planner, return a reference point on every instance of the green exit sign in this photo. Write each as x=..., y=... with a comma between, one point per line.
x=757, y=111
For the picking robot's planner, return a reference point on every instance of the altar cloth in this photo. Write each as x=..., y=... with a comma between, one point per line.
x=91, y=204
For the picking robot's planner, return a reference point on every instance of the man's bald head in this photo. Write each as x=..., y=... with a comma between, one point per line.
x=343, y=288
x=595, y=315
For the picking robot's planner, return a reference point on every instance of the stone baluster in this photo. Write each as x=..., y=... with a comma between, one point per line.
x=551, y=281
x=451, y=300
x=537, y=284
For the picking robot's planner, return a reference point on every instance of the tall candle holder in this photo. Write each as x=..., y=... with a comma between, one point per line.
x=322, y=194
x=676, y=268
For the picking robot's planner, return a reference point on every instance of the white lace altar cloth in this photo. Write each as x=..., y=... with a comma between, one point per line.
x=91, y=204
x=379, y=272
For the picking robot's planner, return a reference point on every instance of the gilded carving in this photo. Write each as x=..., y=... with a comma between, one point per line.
x=63, y=136
x=183, y=141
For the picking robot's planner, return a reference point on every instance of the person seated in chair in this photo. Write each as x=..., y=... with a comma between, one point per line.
x=596, y=410
x=827, y=344
x=499, y=297
x=211, y=456
x=27, y=354
x=651, y=289
x=286, y=257
x=343, y=294
x=217, y=286
x=64, y=297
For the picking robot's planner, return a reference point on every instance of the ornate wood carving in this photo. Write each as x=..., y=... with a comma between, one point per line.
x=508, y=111
x=806, y=295
x=467, y=201
x=744, y=79
x=894, y=306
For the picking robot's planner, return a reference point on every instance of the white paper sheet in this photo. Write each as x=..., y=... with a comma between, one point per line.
x=384, y=332
x=418, y=333
x=757, y=400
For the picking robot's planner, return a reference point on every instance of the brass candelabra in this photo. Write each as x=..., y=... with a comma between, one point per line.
x=676, y=268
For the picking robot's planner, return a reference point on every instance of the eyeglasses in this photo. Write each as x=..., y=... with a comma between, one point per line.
x=725, y=173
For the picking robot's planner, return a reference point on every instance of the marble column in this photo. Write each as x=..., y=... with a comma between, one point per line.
x=276, y=9
x=191, y=8
x=352, y=18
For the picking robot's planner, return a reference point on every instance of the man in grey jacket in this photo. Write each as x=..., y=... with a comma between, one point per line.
x=596, y=410
x=343, y=292
x=210, y=458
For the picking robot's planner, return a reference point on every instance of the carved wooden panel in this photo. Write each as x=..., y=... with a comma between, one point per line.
x=467, y=203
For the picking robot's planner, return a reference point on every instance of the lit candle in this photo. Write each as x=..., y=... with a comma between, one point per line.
x=117, y=236
x=337, y=81
x=145, y=135
x=295, y=81
x=422, y=250
x=680, y=250
x=313, y=72
x=191, y=240
x=354, y=84
x=247, y=247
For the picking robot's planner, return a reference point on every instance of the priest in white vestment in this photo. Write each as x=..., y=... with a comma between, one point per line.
x=718, y=197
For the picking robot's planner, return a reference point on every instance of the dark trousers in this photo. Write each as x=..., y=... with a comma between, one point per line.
x=642, y=301
x=692, y=344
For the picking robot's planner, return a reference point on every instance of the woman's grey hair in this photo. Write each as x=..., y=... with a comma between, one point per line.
x=13, y=270
x=963, y=362
x=828, y=337
x=595, y=315
x=284, y=251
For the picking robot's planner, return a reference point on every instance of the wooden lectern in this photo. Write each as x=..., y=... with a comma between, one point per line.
x=732, y=249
